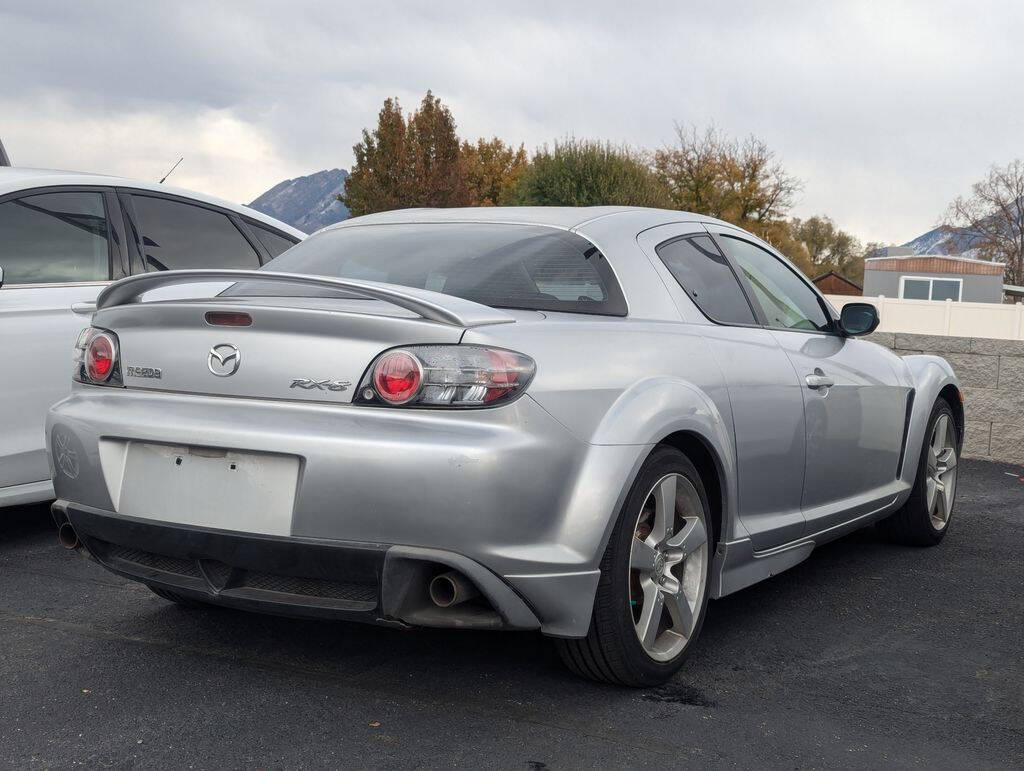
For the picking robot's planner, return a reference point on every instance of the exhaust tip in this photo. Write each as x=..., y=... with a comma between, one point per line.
x=450, y=589
x=67, y=536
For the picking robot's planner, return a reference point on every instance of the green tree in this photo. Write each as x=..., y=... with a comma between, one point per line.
x=588, y=173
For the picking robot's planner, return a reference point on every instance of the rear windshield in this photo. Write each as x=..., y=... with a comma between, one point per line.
x=504, y=266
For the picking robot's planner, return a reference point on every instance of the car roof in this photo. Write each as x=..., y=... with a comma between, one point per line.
x=15, y=178
x=564, y=217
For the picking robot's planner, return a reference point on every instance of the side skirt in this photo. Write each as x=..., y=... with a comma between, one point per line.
x=738, y=565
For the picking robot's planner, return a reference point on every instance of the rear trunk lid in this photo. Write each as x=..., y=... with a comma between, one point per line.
x=294, y=348
x=310, y=354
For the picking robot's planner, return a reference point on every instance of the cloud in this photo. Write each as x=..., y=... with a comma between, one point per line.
x=224, y=155
x=886, y=111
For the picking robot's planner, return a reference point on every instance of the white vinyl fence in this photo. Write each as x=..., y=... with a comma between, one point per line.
x=931, y=317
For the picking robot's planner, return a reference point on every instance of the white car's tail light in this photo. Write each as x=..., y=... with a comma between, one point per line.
x=96, y=358
x=445, y=376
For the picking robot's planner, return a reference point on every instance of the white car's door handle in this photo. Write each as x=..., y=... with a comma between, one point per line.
x=819, y=380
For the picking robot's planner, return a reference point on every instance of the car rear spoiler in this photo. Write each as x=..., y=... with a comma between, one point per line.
x=434, y=306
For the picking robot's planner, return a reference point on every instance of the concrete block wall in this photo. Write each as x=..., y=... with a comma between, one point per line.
x=991, y=373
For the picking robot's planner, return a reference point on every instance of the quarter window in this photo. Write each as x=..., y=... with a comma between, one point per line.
x=54, y=238
x=274, y=242
x=787, y=302
x=704, y=273
x=177, y=236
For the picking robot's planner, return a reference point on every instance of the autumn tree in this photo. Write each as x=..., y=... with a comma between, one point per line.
x=994, y=216
x=588, y=173
x=491, y=170
x=692, y=171
x=741, y=182
x=419, y=161
x=432, y=156
x=380, y=178
x=827, y=247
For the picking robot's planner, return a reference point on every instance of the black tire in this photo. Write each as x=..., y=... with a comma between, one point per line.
x=912, y=525
x=186, y=602
x=612, y=652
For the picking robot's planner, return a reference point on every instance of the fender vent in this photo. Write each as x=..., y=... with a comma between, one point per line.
x=906, y=431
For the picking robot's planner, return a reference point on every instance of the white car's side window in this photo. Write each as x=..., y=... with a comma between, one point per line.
x=52, y=238
x=177, y=236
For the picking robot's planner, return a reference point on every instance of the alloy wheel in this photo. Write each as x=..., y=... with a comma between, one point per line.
x=668, y=566
x=940, y=484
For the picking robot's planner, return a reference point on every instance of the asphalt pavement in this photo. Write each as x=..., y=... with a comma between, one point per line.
x=865, y=655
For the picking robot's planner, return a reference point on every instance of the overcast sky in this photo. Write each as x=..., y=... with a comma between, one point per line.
x=885, y=110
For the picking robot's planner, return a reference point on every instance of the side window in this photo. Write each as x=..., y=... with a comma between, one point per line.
x=704, y=273
x=787, y=302
x=177, y=236
x=274, y=242
x=54, y=238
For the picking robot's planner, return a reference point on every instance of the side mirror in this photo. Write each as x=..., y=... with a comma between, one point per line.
x=857, y=319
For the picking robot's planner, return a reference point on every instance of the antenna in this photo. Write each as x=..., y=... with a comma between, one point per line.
x=165, y=175
x=4, y=159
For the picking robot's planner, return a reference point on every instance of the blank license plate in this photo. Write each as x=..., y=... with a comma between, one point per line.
x=224, y=489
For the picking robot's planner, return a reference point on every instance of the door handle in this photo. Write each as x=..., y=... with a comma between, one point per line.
x=819, y=379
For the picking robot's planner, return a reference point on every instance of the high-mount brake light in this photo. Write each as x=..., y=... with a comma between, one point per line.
x=96, y=358
x=447, y=376
x=228, y=319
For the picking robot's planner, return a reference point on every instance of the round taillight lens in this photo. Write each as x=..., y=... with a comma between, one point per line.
x=99, y=358
x=397, y=377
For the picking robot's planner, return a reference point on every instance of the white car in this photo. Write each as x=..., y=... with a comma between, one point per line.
x=63, y=237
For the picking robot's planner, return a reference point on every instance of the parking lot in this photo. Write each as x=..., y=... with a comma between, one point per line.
x=866, y=654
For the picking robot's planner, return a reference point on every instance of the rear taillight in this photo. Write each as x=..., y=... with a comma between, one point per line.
x=445, y=376
x=96, y=358
x=397, y=377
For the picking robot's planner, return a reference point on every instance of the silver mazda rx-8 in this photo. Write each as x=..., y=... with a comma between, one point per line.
x=586, y=422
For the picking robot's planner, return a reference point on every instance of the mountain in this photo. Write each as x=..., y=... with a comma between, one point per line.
x=964, y=242
x=945, y=240
x=307, y=203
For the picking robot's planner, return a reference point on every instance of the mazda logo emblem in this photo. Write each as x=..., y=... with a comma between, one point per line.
x=224, y=360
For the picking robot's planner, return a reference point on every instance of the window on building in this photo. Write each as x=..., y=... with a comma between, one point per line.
x=923, y=288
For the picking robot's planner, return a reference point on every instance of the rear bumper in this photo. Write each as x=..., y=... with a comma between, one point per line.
x=375, y=583
x=507, y=490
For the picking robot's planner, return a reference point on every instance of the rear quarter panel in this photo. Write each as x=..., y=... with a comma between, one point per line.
x=627, y=383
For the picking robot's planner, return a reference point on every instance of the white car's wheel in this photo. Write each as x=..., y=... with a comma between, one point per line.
x=653, y=591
